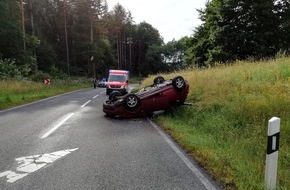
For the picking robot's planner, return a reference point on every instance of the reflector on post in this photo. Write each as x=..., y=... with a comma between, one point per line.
x=272, y=153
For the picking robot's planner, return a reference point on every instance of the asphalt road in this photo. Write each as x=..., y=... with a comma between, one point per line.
x=67, y=142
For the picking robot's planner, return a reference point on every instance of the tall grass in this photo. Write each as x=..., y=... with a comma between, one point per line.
x=18, y=92
x=226, y=128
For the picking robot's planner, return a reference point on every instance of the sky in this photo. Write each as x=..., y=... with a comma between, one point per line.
x=173, y=19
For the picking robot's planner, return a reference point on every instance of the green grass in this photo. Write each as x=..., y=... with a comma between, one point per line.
x=226, y=128
x=15, y=93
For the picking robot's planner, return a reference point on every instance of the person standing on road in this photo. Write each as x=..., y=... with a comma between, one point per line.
x=95, y=82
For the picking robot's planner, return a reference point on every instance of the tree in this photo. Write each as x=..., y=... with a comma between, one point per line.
x=282, y=10
x=119, y=24
x=239, y=29
x=79, y=37
x=249, y=29
x=147, y=37
x=173, y=54
x=10, y=32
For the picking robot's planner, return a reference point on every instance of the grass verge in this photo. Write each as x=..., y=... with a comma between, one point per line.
x=226, y=128
x=15, y=93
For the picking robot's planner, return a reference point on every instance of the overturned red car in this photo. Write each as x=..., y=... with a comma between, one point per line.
x=161, y=95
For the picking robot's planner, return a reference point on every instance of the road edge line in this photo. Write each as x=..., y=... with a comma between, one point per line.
x=208, y=185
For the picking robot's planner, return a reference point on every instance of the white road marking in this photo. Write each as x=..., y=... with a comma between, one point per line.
x=86, y=103
x=95, y=96
x=196, y=172
x=103, y=92
x=31, y=164
x=57, y=126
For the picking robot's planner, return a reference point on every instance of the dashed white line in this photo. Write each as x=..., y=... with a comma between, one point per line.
x=86, y=103
x=57, y=126
x=66, y=118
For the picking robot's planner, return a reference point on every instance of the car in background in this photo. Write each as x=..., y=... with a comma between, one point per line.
x=103, y=83
x=161, y=95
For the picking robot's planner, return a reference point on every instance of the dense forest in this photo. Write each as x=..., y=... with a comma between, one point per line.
x=61, y=38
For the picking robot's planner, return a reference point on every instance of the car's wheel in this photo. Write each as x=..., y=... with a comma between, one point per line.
x=178, y=83
x=158, y=80
x=114, y=94
x=131, y=102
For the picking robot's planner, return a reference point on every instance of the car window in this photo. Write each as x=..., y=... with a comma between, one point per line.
x=119, y=78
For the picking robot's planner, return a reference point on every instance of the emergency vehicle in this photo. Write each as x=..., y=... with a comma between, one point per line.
x=118, y=81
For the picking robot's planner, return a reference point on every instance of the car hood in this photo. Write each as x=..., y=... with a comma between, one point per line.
x=115, y=83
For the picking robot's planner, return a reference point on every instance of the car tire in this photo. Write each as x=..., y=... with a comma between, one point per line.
x=178, y=83
x=131, y=102
x=114, y=94
x=158, y=80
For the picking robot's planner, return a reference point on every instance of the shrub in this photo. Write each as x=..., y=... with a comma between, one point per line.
x=9, y=69
x=39, y=76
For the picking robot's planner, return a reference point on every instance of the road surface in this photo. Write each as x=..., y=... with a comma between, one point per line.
x=67, y=142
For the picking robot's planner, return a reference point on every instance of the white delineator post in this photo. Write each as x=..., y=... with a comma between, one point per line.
x=272, y=153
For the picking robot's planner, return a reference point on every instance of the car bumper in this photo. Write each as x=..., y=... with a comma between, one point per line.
x=122, y=90
x=117, y=110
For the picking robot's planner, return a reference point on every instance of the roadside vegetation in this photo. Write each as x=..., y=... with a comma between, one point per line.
x=17, y=92
x=225, y=130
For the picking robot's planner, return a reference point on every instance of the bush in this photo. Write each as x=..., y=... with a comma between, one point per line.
x=57, y=73
x=39, y=76
x=9, y=69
